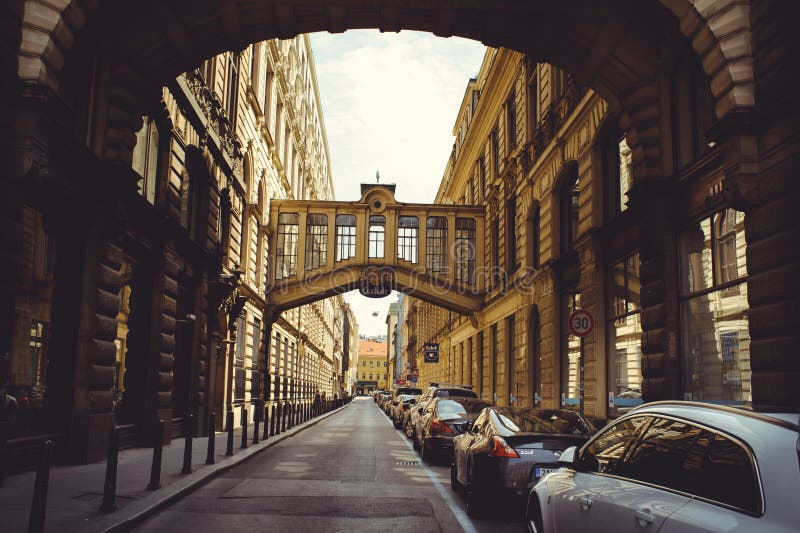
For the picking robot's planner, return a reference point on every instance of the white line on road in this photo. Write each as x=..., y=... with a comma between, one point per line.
x=461, y=516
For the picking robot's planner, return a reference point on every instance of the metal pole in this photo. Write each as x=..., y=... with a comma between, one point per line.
x=244, y=428
x=265, y=435
x=272, y=422
x=187, y=445
x=229, y=428
x=580, y=367
x=155, y=466
x=110, y=487
x=256, y=420
x=39, y=505
x=212, y=440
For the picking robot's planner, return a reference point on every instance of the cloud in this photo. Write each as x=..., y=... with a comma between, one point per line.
x=389, y=102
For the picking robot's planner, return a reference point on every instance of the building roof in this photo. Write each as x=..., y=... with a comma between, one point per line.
x=371, y=348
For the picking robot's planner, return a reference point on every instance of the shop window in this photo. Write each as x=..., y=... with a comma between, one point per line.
x=316, y=241
x=377, y=236
x=345, y=237
x=714, y=310
x=693, y=110
x=407, y=238
x=145, y=159
x=625, y=334
x=570, y=353
x=239, y=372
x=286, y=253
x=436, y=244
x=464, y=251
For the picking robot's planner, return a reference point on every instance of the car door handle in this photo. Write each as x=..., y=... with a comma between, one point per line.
x=586, y=503
x=644, y=518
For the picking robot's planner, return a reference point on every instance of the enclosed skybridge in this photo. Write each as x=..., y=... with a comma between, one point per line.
x=376, y=245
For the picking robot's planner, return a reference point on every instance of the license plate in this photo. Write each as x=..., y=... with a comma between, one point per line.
x=542, y=471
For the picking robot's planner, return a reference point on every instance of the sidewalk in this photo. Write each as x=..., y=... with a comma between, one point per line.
x=76, y=491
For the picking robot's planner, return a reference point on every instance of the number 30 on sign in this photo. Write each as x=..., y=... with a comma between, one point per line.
x=581, y=323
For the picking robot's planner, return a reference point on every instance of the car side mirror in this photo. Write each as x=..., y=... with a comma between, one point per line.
x=568, y=457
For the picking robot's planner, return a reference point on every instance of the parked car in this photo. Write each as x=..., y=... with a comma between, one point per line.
x=405, y=416
x=441, y=421
x=407, y=390
x=677, y=467
x=437, y=391
x=508, y=449
x=401, y=405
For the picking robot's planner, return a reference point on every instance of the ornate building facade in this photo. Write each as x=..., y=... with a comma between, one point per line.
x=554, y=174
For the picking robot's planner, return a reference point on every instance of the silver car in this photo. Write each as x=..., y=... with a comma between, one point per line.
x=676, y=467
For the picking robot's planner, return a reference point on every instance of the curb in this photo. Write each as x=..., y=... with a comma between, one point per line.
x=146, y=507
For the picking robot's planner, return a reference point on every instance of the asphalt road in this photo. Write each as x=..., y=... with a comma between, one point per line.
x=352, y=472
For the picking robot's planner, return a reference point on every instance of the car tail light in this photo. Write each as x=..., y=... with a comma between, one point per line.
x=502, y=449
x=438, y=427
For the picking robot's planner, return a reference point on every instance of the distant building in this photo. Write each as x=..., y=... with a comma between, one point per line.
x=373, y=366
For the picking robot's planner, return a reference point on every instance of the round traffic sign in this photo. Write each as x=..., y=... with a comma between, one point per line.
x=581, y=323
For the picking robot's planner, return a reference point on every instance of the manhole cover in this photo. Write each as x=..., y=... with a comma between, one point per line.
x=406, y=463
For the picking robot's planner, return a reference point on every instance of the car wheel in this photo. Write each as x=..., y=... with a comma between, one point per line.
x=425, y=453
x=455, y=484
x=477, y=499
x=533, y=517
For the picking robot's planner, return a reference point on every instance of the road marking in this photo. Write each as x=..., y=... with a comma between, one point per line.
x=461, y=516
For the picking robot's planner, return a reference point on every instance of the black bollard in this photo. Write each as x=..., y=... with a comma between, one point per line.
x=110, y=487
x=283, y=416
x=229, y=429
x=265, y=435
x=256, y=417
x=272, y=422
x=279, y=415
x=290, y=422
x=155, y=466
x=212, y=441
x=187, y=445
x=244, y=429
x=39, y=505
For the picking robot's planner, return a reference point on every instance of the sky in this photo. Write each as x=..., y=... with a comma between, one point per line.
x=390, y=101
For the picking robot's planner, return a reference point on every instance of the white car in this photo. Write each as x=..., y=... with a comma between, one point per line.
x=676, y=467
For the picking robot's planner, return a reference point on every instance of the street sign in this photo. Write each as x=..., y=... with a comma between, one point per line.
x=581, y=323
x=431, y=352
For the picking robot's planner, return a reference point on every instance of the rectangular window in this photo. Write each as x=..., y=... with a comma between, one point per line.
x=511, y=362
x=286, y=253
x=345, y=237
x=495, y=141
x=482, y=175
x=407, y=237
x=145, y=159
x=533, y=97
x=570, y=353
x=511, y=120
x=239, y=373
x=255, y=383
x=714, y=310
x=532, y=238
x=493, y=363
x=625, y=334
x=377, y=236
x=316, y=240
x=511, y=235
x=436, y=244
x=464, y=250
x=232, y=90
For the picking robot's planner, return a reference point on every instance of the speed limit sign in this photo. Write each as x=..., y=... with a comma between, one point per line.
x=581, y=323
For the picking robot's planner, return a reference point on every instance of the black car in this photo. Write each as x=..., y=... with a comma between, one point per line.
x=508, y=449
x=441, y=421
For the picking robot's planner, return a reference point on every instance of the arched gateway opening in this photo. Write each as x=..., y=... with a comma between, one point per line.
x=87, y=75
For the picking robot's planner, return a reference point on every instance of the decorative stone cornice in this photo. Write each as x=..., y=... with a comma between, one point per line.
x=214, y=112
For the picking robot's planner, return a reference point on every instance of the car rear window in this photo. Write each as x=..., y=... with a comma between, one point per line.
x=542, y=421
x=460, y=408
x=447, y=393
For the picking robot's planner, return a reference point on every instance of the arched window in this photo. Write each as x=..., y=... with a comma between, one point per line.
x=464, y=251
x=407, y=235
x=145, y=159
x=570, y=205
x=286, y=253
x=316, y=240
x=377, y=236
x=436, y=244
x=345, y=237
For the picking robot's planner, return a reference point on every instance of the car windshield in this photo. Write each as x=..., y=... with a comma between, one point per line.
x=542, y=421
x=460, y=408
x=405, y=397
